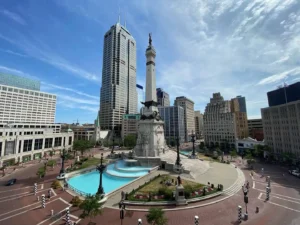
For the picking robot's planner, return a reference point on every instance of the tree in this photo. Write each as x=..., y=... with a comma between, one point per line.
x=233, y=153
x=51, y=163
x=259, y=151
x=51, y=153
x=82, y=145
x=41, y=172
x=130, y=141
x=91, y=207
x=201, y=146
x=156, y=217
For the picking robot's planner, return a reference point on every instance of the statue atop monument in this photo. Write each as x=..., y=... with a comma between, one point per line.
x=150, y=39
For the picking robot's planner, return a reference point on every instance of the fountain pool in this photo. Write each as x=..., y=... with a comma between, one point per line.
x=115, y=176
x=185, y=152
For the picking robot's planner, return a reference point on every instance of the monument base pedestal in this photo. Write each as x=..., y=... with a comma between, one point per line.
x=177, y=169
x=179, y=196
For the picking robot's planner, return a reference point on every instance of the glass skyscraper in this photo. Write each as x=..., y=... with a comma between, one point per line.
x=118, y=92
x=20, y=82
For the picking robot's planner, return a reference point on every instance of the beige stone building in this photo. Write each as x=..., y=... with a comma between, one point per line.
x=219, y=122
x=130, y=124
x=281, y=125
x=189, y=115
x=238, y=107
x=198, y=124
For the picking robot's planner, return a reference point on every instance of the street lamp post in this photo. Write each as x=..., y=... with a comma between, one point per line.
x=63, y=157
x=113, y=146
x=122, y=208
x=193, y=140
x=101, y=168
x=178, y=156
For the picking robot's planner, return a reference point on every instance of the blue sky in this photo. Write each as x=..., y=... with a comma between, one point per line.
x=234, y=47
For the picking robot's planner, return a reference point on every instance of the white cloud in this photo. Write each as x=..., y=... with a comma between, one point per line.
x=280, y=76
x=44, y=53
x=13, y=53
x=13, y=16
x=77, y=100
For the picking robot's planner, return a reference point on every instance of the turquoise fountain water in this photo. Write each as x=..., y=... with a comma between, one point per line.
x=115, y=176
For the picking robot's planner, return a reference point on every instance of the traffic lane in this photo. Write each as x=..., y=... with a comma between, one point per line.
x=34, y=216
x=291, y=204
x=17, y=202
x=293, y=192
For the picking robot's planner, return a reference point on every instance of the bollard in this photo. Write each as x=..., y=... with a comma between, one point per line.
x=267, y=193
x=196, y=220
x=239, y=214
x=139, y=221
x=35, y=188
x=52, y=212
x=68, y=221
x=38, y=198
x=257, y=209
x=43, y=201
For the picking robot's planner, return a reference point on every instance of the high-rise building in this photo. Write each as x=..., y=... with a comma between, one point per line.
x=26, y=106
x=219, y=122
x=284, y=94
x=281, y=124
x=238, y=107
x=27, y=129
x=141, y=96
x=198, y=124
x=255, y=128
x=130, y=124
x=163, y=98
x=118, y=91
x=20, y=82
x=189, y=117
x=173, y=116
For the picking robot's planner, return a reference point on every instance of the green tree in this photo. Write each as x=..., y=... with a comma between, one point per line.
x=259, y=151
x=156, y=216
x=233, y=153
x=51, y=163
x=82, y=145
x=41, y=172
x=91, y=207
x=201, y=146
x=130, y=141
x=51, y=153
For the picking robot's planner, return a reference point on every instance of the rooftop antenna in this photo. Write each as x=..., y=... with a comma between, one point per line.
x=119, y=19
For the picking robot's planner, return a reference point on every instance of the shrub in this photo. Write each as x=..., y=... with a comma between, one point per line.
x=76, y=201
x=188, y=189
x=204, y=191
x=162, y=190
x=56, y=184
x=212, y=186
x=168, y=194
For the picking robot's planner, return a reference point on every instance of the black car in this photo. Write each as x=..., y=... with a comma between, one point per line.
x=11, y=182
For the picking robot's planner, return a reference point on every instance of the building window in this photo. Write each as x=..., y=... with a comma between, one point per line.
x=27, y=145
x=38, y=144
x=57, y=141
x=20, y=145
x=48, y=142
x=70, y=140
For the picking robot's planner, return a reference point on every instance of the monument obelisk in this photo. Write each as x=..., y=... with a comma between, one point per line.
x=151, y=138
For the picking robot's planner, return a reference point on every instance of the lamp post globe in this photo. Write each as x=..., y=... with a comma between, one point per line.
x=101, y=169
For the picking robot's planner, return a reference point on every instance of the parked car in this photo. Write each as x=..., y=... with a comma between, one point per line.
x=11, y=182
x=295, y=172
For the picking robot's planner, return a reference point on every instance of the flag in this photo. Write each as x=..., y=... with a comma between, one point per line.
x=139, y=86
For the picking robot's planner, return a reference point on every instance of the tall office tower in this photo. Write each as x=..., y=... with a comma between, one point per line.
x=255, y=128
x=130, y=124
x=141, y=97
x=163, y=98
x=238, y=107
x=173, y=116
x=198, y=124
x=20, y=82
x=281, y=120
x=118, y=92
x=19, y=105
x=189, y=119
x=219, y=122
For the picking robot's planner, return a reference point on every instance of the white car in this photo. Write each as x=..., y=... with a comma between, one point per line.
x=296, y=173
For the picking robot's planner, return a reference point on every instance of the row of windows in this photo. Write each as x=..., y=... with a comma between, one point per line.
x=15, y=90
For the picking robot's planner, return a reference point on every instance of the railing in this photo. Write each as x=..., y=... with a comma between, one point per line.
x=81, y=193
